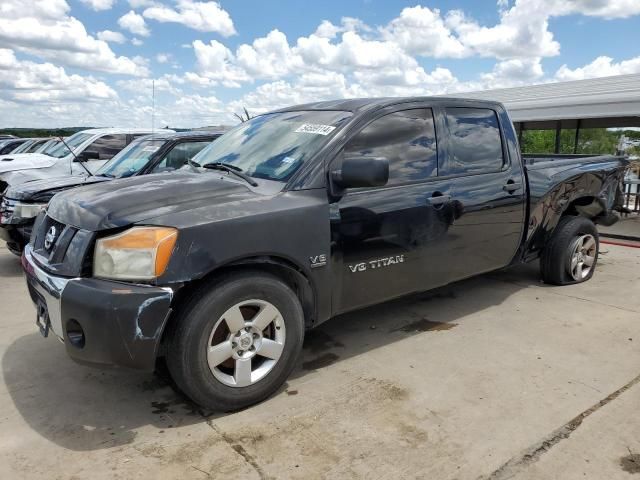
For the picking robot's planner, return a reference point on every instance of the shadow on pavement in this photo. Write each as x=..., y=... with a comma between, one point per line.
x=84, y=409
x=10, y=265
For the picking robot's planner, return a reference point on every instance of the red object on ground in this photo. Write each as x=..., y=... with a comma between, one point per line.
x=620, y=244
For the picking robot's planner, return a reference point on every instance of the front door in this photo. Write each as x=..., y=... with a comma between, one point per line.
x=387, y=241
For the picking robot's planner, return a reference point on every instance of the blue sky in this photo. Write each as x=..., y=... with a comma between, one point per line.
x=92, y=62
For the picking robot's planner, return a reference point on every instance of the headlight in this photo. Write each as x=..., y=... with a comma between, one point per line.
x=28, y=210
x=140, y=253
x=16, y=212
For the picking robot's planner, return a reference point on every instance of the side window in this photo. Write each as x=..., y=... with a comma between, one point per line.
x=108, y=145
x=178, y=156
x=475, y=143
x=407, y=139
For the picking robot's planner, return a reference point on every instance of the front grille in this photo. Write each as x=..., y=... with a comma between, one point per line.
x=65, y=252
x=47, y=226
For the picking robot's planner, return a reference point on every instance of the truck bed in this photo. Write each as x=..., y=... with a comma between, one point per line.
x=537, y=160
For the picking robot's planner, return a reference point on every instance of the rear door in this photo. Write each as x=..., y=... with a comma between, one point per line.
x=388, y=241
x=488, y=192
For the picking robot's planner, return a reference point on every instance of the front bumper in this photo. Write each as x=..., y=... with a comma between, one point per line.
x=121, y=324
x=16, y=235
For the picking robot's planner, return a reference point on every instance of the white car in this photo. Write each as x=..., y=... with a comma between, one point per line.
x=85, y=150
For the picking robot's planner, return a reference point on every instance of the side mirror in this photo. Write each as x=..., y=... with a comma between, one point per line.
x=358, y=171
x=88, y=155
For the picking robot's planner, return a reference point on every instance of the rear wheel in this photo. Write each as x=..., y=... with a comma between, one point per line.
x=572, y=253
x=236, y=342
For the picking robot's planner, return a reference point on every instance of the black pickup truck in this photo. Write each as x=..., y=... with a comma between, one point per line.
x=297, y=216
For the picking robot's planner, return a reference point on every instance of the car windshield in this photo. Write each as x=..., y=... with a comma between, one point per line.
x=50, y=146
x=74, y=141
x=275, y=145
x=24, y=147
x=132, y=159
x=35, y=146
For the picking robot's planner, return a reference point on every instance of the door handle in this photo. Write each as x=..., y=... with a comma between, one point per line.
x=511, y=186
x=438, y=200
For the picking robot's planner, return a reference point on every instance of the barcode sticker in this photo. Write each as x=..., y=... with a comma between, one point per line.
x=315, y=129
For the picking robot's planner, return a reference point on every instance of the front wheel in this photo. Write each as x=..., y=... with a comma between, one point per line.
x=237, y=341
x=572, y=253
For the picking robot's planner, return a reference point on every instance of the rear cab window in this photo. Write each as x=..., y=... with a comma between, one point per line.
x=179, y=155
x=475, y=142
x=108, y=145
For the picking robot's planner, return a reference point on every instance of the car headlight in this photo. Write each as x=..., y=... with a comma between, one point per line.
x=18, y=212
x=140, y=253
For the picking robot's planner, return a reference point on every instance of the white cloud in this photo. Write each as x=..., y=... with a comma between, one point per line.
x=137, y=42
x=163, y=58
x=522, y=32
x=601, y=67
x=111, y=36
x=509, y=73
x=267, y=57
x=422, y=31
x=30, y=82
x=201, y=16
x=134, y=23
x=595, y=8
x=217, y=62
x=45, y=10
x=142, y=3
x=45, y=30
x=99, y=5
x=165, y=83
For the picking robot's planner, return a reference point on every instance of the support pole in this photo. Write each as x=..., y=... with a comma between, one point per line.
x=575, y=144
x=558, y=129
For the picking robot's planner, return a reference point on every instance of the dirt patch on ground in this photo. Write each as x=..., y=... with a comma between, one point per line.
x=631, y=463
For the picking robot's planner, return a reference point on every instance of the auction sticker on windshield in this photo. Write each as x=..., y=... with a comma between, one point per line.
x=315, y=128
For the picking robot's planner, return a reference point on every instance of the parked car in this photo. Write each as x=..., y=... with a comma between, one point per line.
x=10, y=144
x=161, y=152
x=297, y=216
x=90, y=149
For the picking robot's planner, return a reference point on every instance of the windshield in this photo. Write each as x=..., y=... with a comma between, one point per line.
x=35, y=146
x=275, y=145
x=50, y=146
x=132, y=159
x=74, y=141
x=24, y=147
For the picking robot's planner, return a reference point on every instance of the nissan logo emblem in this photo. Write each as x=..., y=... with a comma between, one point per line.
x=50, y=238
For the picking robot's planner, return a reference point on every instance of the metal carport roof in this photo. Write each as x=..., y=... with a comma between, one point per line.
x=597, y=102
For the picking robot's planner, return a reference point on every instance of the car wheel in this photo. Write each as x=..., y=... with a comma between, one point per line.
x=572, y=253
x=236, y=341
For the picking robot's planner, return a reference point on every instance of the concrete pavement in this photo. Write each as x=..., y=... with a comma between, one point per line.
x=492, y=378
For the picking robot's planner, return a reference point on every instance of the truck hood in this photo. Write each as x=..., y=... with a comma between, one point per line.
x=25, y=161
x=42, y=190
x=126, y=201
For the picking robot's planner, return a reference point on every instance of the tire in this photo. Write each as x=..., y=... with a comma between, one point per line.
x=558, y=263
x=205, y=324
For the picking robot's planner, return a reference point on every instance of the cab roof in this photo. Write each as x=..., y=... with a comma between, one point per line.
x=360, y=104
x=171, y=135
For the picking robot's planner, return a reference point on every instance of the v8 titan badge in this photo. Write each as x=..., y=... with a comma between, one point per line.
x=377, y=263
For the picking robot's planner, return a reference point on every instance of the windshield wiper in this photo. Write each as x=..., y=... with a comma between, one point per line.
x=227, y=167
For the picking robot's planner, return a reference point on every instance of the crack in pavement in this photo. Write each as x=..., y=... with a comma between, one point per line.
x=514, y=465
x=240, y=450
